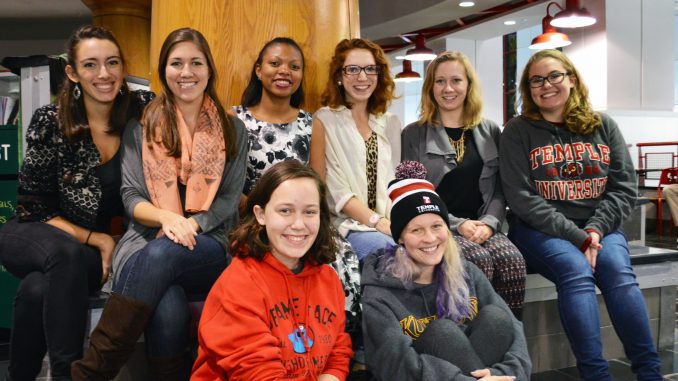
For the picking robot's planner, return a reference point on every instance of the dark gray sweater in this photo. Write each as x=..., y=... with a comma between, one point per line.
x=389, y=352
x=562, y=183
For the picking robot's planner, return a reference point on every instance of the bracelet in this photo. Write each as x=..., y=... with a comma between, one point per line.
x=88, y=235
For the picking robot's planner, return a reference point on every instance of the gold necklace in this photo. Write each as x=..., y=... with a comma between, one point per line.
x=458, y=145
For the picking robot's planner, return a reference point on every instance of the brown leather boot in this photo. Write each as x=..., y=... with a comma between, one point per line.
x=112, y=341
x=176, y=368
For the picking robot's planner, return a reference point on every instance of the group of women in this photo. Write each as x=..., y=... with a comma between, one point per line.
x=443, y=286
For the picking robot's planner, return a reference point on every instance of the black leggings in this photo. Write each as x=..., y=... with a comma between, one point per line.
x=50, y=308
x=484, y=343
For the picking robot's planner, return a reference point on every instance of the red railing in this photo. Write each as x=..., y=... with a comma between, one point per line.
x=650, y=164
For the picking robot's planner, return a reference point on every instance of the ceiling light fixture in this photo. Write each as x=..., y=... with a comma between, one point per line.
x=420, y=52
x=467, y=4
x=573, y=16
x=510, y=22
x=407, y=75
x=550, y=38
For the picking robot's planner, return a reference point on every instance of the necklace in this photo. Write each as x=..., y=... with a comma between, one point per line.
x=458, y=145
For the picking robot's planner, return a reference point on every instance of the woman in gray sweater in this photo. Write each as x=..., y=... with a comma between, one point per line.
x=460, y=150
x=183, y=170
x=427, y=313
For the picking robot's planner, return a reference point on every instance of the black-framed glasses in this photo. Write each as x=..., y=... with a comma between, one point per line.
x=553, y=78
x=355, y=69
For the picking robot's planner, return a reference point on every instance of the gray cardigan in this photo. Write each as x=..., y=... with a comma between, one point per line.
x=430, y=146
x=221, y=217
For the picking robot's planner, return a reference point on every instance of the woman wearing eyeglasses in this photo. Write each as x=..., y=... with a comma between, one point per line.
x=356, y=144
x=569, y=180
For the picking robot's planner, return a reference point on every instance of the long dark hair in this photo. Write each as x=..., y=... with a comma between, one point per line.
x=71, y=112
x=160, y=112
x=249, y=239
x=252, y=94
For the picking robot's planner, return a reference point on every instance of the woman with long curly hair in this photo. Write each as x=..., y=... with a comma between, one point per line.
x=569, y=181
x=356, y=143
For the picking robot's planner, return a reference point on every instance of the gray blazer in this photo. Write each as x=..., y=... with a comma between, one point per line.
x=430, y=146
x=221, y=217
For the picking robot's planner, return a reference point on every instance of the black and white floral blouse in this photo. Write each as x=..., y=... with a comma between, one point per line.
x=58, y=177
x=271, y=143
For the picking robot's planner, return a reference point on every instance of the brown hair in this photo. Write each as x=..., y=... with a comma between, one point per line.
x=249, y=239
x=473, y=103
x=578, y=114
x=161, y=111
x=335, y=95
x=72, y=113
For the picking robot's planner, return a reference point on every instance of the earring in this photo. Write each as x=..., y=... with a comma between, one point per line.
x=339, y=83
x=76, y=92
x=259, y=78
x=122, y=91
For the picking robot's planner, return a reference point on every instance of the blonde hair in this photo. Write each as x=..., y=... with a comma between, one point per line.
x=473, y=103
x=452, y=299
x=578, y=114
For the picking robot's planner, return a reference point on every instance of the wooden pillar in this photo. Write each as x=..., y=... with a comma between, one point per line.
x=130, y=22
x=237, y=29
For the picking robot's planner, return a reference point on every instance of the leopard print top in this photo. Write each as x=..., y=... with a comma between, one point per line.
x=372, y=153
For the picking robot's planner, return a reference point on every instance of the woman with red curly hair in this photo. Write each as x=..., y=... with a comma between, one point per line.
x=356, y=143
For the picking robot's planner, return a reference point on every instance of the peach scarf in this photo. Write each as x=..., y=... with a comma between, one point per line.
x=200, y=166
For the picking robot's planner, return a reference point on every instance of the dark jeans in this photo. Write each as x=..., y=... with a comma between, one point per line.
x=50, y=308
x=160, y=275
x=566, y=266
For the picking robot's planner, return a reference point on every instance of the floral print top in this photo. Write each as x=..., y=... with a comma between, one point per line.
x=271, y=143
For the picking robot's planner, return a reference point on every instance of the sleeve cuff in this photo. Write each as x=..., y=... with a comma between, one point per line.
x=586, y=244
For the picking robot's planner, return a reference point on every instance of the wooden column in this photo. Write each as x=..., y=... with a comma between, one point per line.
x=130, y=22
x=237, y=29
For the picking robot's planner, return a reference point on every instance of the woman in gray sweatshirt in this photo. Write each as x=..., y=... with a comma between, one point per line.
x=570, y=182
x=427, y=313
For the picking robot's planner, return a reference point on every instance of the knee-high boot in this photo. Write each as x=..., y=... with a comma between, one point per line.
x=112, y=341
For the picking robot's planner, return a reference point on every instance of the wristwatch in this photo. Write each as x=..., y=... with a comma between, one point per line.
x=374, y=219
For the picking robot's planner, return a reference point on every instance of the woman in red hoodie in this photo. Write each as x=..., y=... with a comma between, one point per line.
x=277, y=312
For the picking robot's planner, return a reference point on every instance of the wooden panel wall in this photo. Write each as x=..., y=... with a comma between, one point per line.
x=237, y=29
x=130, y=22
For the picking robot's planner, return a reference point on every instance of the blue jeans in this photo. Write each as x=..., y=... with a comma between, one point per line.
x=160, y=275
x=565, y=265
x=366, y=243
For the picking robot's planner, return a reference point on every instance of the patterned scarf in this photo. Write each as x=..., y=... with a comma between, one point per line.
x=200, y=166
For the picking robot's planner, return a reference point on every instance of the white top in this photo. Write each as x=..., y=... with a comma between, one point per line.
x=345, y=159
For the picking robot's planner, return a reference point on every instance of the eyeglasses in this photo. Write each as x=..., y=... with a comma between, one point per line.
x=355, y=69
x=553, y=78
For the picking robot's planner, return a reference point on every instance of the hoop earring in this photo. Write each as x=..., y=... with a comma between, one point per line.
x=76, y=92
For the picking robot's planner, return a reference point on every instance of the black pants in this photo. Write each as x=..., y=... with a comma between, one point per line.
x=50, y=308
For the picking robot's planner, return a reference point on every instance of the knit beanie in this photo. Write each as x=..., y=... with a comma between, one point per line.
x=411, y=195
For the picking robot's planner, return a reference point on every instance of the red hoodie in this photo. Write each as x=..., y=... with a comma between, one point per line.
x=263, y=322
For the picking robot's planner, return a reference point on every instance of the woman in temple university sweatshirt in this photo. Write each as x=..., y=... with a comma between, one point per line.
x=569, y=181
